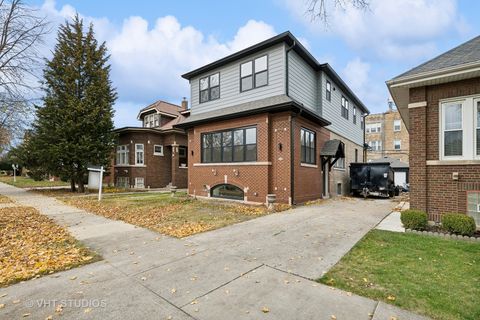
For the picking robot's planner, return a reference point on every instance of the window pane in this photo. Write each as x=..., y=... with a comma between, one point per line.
x=453, y=143
x=303, y=154
x=247, y=83
x=204, y=96
x=227, y=138
x=453, y=117
x=478, y=142
x=261, y=79
x=251, y=136
x=238, y=137
x=214, y=79
x=238, y=153
x=227, y=191
x=217, y=139
x=251, y=153
x=204, y=83
x=227, y=154
x=214, y=93
x=261, y=64
x=246, y=69
x=207, y=155
x=329, y=86
x=207, y=140
x=312, y=156
x=217, y=155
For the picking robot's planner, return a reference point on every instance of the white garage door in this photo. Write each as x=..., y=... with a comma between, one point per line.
x=400, y=178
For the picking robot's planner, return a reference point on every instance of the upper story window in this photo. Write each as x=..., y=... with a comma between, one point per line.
x=210, y=87
x=151, y=120
x=397, y=125
x=373, y=127
x=158, y=150
x=122, y=155
x=362, y=122
x=354, y=115
x=397, y=144
x=328, y=93
x=233, y=145
x=375, y=145
x=254, y=73
x=139, y=155
x=344, y=107
x=308, y=146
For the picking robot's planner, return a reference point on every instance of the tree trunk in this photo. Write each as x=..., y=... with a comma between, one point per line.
x=72, y=185
x=81, y=186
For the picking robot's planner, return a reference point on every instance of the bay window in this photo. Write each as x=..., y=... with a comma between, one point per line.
x=233, y=145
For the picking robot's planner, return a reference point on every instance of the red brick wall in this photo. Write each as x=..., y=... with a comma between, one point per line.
x=432, y=186
x=308, y=180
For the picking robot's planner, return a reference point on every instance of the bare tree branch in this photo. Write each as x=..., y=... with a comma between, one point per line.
x=319, y=9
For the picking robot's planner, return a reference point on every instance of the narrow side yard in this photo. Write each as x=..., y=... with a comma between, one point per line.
x=31, y=244
x=24, y=182
x=436, y=277
x=178, y=216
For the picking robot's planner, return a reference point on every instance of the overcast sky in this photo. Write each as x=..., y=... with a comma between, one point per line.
x=153, y=42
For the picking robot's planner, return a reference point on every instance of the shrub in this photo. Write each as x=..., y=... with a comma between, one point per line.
x=414, y=219
x=459, y=223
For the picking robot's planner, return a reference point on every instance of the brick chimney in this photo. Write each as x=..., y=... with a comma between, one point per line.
x=184, y=103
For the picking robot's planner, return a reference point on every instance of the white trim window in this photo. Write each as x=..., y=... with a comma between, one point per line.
x=139, y=154
x=122, y=155
x=158, y=150
x=397, y=145
x=328, y=92
x=139, y=182
x=452, y=122
x=397, y=125
x=151, y=120
x=375, y=145
x=373, y=127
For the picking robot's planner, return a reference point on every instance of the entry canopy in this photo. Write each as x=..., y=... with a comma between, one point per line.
x=332, y=149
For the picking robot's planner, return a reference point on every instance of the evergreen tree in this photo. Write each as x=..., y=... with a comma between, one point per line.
x=74, y=126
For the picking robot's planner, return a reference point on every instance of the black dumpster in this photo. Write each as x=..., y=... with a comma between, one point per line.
x=376, y=179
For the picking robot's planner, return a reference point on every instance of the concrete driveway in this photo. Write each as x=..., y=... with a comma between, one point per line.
x=259, y=269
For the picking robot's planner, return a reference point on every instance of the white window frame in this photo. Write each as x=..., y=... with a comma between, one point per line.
x=395, y=122
x=155, y=153
x=376, y=145
x=137, y=152
x=395, y=145
x=122, y=150
x=138, y=184
x=466, y=127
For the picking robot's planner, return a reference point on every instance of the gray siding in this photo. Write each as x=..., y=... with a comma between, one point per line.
x=302, y=81
x=230, y=94
x=332, y=111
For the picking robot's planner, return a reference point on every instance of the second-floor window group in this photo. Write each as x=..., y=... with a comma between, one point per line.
x=210, y=87
x=254, y=73
x=345, y=107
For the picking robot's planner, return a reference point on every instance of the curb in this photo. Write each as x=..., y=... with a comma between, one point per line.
x=444, y=235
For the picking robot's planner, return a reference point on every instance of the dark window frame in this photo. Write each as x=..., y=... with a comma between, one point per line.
x=354, y=115
x=328, y=92
x=306, y=147
x=209, y=88
x=231, y=145
x=254, y=73
x=218, y=186
x=345, y=107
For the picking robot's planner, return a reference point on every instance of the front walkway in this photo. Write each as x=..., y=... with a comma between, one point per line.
x=262, y=268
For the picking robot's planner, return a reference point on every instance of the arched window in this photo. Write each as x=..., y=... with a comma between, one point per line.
x=227, y=191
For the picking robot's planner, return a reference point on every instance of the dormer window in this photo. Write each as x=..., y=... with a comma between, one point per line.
x=254, y=73
x=151, y=120
x=210, y=88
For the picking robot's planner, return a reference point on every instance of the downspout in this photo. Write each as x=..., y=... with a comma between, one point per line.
x=292, y=127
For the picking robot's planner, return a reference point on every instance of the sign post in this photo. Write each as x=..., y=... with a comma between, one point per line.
x=15, y=168
x=95, y=179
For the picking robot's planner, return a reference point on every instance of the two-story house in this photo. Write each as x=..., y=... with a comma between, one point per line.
x=270, y=119
x=439, y=101
x=155, y=154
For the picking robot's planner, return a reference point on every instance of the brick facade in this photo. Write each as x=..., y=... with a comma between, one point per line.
x=272, y=172
x=432, y=186
x=158, y=171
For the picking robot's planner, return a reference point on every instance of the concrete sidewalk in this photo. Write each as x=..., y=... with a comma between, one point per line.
x=261, y=268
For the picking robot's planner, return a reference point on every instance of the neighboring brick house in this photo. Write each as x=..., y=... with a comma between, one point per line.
x=260, y=119
x=386, y=135
x=156, y=154
x=440, y=104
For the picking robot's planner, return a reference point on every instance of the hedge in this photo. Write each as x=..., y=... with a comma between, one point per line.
x=459, y=223
x=414, y=219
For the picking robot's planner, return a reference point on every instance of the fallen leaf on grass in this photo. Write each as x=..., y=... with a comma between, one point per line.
x=333, y=317
x=2, y=305
x=26, y=315
x=391, y=297
x=88, y=310
x=15, y=301
x=265, y=310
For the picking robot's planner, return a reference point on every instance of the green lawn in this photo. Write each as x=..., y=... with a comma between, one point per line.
x=436, y=277
x=23, y=182
x=180, y=216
